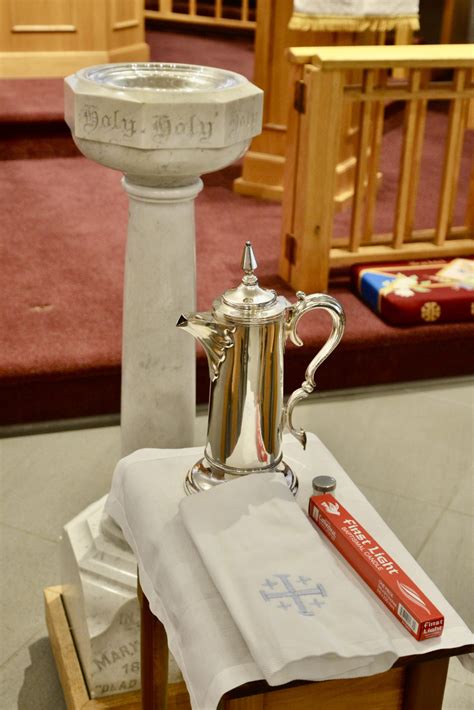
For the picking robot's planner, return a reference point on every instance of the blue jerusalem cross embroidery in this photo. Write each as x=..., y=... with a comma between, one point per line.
x=291, y=596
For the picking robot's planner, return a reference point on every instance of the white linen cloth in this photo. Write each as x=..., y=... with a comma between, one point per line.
x=297, y=605
x=356, y=8
x=208, y=646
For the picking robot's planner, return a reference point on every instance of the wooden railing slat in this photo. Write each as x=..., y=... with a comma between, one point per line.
x=362, y=164
x=447, y=21
x=375, y=148
x=458, y=157
x=419, y=134
x=244, y=14
x=470, y=202
x=404, y=179
x=218, y=9
x=192, y=7
x=452, y=159
x=166, y=6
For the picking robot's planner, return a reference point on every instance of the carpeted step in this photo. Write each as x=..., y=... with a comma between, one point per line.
x=32, y=120
x=64, y=238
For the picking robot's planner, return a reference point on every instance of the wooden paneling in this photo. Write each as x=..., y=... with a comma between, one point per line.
x=273, y=38
x=48, y=25
x=379, y=692
x=43, y=15
x=125, y=13
x=271, y=73
x=271, y=68
x=126, y=23
x=57, y=37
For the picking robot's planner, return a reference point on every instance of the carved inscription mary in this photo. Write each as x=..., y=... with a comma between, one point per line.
x=116, y=654
x=113, y=655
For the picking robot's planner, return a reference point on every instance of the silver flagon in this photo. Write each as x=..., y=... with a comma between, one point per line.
x=244, y=339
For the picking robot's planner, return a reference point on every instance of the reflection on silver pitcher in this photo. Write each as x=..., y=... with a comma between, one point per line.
x=244, y=339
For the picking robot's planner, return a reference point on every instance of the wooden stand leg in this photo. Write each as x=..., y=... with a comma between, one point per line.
x=424, y=685
x=154, y=658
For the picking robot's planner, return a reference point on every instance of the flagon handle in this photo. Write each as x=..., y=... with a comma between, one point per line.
x=303, y=305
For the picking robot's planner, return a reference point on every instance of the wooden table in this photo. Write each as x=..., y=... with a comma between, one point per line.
x=414, y=682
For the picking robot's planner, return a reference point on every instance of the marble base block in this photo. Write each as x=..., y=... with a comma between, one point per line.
x=99, y=579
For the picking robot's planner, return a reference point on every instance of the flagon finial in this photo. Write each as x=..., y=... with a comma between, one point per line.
x=249, y=262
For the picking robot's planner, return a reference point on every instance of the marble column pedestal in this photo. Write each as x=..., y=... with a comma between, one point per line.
x=163, y=126
x=158, y=381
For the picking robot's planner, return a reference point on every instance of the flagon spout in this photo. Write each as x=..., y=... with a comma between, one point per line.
x=214, y=337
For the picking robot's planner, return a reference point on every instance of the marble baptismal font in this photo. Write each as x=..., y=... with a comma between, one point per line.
x=162, y=126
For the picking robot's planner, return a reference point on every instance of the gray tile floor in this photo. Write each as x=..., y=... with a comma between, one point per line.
x=409, y=448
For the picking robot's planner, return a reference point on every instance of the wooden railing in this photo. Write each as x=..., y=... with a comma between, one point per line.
x=309, y=248
x=238, y=14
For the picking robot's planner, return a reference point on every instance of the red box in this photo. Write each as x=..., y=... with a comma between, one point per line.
x=383, y=575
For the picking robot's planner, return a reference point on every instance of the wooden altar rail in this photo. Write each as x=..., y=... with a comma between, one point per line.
x=309, y=250
x=217, y=13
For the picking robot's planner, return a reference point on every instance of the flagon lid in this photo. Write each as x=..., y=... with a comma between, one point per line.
x=249, y=301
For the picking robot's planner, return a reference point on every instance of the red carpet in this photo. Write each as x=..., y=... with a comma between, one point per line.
x=63, y=235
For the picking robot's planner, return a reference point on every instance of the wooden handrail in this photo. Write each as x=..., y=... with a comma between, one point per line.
x=384, y=57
